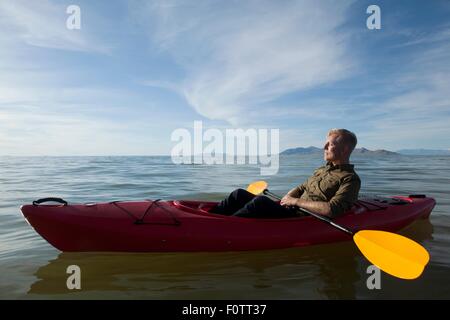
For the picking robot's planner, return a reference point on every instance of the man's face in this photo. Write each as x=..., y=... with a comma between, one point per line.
x=333, y=148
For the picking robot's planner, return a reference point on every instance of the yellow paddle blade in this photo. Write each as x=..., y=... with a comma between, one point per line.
x=257, y=187
x=392, y=253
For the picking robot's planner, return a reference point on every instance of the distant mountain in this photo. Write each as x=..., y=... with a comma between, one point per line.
x=311, y=150
x=374, y=152
x=301, y=150
x=424, y=152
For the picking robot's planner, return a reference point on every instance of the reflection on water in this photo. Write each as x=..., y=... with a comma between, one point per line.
x=198, y=275
x=327, y=271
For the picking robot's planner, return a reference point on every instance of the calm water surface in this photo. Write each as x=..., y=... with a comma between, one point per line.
x=30, y=268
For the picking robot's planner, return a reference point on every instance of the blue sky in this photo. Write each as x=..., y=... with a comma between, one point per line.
x=137, y=70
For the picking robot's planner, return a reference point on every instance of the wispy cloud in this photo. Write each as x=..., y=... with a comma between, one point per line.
x=39, y=130
x=424, y=38
x=417, y=113
x=43, y=24
x=160, y=84
x=239, y=55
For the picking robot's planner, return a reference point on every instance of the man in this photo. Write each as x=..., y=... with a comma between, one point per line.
x=330, y=191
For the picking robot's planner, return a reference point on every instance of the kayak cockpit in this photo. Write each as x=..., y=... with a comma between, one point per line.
x=194, y=206
x=201, y=207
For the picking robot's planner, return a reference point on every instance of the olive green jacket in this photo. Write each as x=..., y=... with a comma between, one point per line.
x=336, y=184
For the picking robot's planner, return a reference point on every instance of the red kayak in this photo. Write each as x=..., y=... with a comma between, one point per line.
x=148, y=226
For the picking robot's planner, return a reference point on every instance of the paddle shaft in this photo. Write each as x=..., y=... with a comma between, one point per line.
x=318, y=216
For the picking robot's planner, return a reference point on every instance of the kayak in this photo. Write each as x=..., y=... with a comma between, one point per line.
x=181, y=225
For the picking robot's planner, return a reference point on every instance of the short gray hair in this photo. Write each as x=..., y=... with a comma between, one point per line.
x=348, y=137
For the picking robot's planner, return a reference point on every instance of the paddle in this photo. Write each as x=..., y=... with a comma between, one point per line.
x=390, y=252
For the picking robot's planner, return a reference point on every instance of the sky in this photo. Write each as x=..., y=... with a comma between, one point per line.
x=138, y=70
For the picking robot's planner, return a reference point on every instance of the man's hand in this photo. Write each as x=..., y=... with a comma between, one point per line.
x=319, y=207
x=289, y=201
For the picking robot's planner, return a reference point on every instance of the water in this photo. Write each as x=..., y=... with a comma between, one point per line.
x=32, y=269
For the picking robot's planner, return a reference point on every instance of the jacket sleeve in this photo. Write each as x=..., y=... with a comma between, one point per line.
x=298, y=191
x=346, y=195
